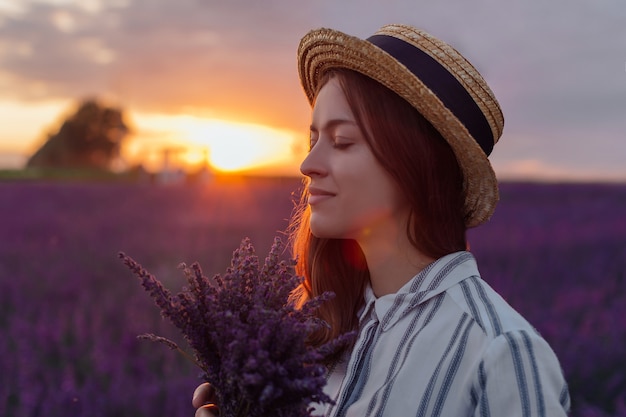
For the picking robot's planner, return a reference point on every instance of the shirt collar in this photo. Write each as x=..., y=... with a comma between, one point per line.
x=435, y=279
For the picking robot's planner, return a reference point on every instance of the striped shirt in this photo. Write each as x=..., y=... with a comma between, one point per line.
x=446, y=344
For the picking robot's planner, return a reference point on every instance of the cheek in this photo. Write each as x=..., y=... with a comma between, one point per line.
x=380, y=200
x=369, y=211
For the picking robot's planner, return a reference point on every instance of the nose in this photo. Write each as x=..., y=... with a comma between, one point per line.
x=314, y=163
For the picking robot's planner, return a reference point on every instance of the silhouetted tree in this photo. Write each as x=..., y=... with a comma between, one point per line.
x=90, y=138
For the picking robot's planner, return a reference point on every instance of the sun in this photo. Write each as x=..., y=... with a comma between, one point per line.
x=227, y=146
x=236, y=146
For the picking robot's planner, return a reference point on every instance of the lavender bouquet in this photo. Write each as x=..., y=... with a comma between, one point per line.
x=246, y=335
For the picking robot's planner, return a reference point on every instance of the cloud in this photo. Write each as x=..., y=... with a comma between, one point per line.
x=550, y=57
x=561, y=154
x=537, y=170
x=558, y=68
x=157, y=54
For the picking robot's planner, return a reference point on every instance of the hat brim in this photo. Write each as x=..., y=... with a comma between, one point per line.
x=324, y=49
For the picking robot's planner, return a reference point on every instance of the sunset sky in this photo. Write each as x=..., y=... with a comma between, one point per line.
x=221, y=75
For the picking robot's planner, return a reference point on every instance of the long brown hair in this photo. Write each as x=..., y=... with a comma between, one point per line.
x=424, y=166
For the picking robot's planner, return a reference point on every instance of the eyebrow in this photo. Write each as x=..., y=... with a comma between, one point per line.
x=333, y=123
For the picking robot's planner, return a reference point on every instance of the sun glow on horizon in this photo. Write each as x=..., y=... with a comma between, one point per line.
x=227, y=146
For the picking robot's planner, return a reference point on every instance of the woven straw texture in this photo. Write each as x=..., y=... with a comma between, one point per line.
x=324, y=49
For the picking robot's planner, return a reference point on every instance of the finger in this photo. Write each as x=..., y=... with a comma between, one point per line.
x=203, y=394
x=209, y=410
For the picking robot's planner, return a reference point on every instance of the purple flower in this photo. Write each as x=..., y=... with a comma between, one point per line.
x=246, y=335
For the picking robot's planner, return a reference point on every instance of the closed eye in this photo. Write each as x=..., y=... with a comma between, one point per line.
x=342, y=142
x=342, y=145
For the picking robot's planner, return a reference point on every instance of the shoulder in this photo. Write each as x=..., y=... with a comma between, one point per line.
x=522, y=349
x=487, y=308
x=520, y=368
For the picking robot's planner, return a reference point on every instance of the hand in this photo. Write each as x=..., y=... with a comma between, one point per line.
x=204, y=401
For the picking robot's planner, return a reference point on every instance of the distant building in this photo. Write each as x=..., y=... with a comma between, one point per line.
x=168, y=174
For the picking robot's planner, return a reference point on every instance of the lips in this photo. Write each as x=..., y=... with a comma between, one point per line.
x=317, y=195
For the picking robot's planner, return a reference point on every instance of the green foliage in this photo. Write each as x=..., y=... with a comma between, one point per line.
x=72, y=174
x=90, y=138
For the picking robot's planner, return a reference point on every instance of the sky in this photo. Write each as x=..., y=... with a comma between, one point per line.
x=221, y=75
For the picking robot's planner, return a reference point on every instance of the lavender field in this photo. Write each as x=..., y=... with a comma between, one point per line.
x=70, y=311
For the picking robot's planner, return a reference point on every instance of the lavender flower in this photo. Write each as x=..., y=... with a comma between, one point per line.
x=246, y=335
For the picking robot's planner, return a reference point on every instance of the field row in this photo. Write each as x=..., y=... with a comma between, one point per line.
x=70, y=311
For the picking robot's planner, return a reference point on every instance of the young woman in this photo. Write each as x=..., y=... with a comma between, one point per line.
x=397, y=171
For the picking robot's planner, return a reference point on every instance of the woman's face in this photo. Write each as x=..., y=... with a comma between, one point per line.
x=351, y=196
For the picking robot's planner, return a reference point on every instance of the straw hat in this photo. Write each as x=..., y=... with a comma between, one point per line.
x=433, y=77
